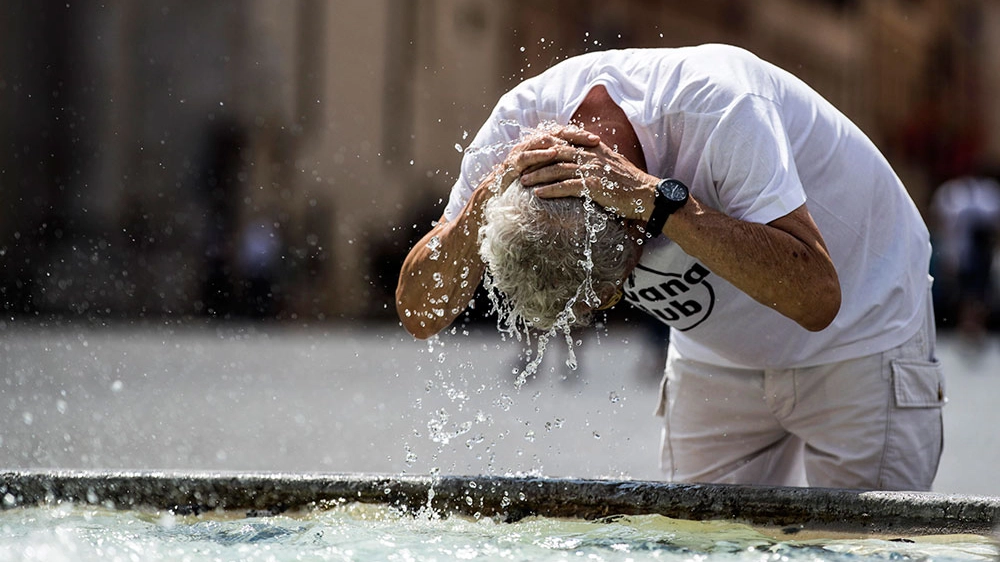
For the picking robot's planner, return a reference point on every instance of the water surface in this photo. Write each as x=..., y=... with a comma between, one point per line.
x=367, y=532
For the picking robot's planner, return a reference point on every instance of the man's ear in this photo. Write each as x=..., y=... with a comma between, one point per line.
x=608, y=294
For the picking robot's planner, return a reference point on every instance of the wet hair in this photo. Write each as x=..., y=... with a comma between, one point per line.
x=553, y=260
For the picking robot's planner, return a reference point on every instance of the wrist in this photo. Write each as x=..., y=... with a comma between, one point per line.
x=670, y=196
x=646, y=200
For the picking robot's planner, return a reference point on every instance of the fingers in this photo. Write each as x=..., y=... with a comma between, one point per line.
x=568, y=135
x=552, y=156
x=550, y=173
x=528, y=162
x=578, y=136
x=589, y=187
x=567, y=188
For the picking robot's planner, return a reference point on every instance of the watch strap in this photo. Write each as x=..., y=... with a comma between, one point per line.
x=663, y=207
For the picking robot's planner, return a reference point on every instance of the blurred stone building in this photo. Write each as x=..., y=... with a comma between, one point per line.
x=277, y=158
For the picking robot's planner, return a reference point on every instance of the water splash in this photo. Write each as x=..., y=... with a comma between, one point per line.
x=450, y=426
x=510, y=324
x=442, y=432
x=434, y=245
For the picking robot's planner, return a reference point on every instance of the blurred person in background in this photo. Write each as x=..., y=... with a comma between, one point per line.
x=772, y=237
x=965, y=215
x=259, y=264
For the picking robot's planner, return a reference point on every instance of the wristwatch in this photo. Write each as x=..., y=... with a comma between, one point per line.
x=671, y=195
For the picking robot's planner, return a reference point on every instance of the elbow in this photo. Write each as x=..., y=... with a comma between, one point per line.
x=418, y=327
x=413, y=322
x=822, y=311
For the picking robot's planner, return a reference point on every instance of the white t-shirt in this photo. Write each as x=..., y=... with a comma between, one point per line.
x=754, y=142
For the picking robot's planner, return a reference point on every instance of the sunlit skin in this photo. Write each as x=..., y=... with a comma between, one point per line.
x=432, y=292
x=784, y=264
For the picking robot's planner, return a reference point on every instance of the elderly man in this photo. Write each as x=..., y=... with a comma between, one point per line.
x=778, y=244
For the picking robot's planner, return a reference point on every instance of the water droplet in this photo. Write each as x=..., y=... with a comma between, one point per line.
x=505, y=402
x=434, y=245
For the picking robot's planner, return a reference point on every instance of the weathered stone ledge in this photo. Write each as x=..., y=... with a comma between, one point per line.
x=513, y=498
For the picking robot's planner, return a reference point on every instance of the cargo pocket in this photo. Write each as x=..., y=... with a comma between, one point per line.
x=915, y=435
x=918, y=384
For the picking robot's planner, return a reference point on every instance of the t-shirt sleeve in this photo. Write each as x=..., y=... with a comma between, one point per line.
x=488, y=149
x=752, y=163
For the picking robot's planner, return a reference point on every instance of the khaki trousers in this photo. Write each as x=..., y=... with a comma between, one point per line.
x=867, y=423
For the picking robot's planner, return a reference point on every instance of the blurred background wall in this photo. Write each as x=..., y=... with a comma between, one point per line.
x=276, y=159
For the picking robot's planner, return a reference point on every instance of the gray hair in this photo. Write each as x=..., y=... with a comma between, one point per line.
x=553, y=259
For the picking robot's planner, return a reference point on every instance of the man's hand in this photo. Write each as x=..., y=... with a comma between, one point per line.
x=441, y=272
x=545, y=149
x=784, y=264
x=604, y=175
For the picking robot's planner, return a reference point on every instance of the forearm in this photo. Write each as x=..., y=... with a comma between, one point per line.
x=769, y=262
x=440, y=274
x=784, y=264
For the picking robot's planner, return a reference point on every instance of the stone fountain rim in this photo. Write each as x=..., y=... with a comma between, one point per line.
x=511, y=498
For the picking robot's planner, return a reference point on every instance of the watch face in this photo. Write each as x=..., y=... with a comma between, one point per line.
x=674, y=190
